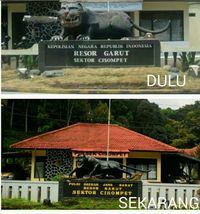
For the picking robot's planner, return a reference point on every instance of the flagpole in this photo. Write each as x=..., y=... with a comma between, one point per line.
x=108, y=137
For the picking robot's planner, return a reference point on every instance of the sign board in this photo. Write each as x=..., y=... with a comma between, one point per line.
x=99, y=188
x=98, y=53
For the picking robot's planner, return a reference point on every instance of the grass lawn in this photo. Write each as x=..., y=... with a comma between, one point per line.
x=68, y=204
x=97, y=80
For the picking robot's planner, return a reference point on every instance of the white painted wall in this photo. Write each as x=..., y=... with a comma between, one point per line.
x=168, y=191
x=12, y=189
x=194, y=23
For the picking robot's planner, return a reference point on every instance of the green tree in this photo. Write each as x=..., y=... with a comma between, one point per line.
x=99, y=114
x=149, y=120
x=183, y=126
x=44, y=121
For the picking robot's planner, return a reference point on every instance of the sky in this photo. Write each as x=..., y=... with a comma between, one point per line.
x=173, y=103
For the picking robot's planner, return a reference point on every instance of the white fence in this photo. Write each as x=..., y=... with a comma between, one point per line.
x=185, y=194
x=15, y=52
x=38, y=191
x=30, y=190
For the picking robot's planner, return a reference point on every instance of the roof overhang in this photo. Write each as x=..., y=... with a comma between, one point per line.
x=113, y=5
x=16, y=154
x=184, y=156
x=189, y=157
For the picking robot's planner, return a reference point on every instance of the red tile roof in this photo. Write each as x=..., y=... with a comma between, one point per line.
x=90, y=137
x=192, y=152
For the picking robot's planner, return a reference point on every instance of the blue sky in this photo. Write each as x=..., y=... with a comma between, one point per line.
x=173, y=103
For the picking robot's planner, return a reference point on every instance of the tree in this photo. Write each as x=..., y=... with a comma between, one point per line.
x=149, y=120
x=26, y=116
x=43, y=120
x=183, y=126
x=12, y=112
x=99, y=114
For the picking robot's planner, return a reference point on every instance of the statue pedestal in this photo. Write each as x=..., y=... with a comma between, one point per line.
x=100, y=188
x=98, y=53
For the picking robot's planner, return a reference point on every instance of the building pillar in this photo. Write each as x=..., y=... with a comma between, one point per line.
x=159, y=169
x=124, y=163
x=33, y=165
x=136, y=20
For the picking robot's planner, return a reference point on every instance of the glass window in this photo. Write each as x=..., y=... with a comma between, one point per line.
x=155, y=20
x=144, y=164
x=39, y=166
x=152, y=173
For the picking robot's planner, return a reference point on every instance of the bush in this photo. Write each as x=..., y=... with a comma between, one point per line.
x=187, y=60
x=57, y=178
x=30, y=62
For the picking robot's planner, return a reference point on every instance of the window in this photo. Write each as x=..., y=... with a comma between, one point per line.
x=39, y=166
x=155, y=20
x=144, y=164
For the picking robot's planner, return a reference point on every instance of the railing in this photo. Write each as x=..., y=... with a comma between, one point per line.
x=187, y=193
x=40, y=190
x=14, y=52
x=30, y=190
x=9, y=55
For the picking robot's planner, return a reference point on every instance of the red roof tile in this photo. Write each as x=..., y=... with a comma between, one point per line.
x=93, y=138
x=192, y=152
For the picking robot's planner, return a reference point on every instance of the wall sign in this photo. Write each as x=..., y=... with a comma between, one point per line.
x=100, y=188
x=98, y=53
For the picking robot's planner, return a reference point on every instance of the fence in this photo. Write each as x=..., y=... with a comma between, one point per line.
x=38, y=191
x=184, y=192
x=30, y=190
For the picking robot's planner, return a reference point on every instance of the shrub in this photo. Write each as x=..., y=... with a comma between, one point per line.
x=30, y=62
x=187, y=60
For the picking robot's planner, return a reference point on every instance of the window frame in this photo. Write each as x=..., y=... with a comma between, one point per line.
x=170, y=13
x=39, y=159
x=144, y=161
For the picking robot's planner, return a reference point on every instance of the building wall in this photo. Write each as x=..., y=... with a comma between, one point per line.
x=191, y=24
x=34, y=154
x=167, y=6
x=170, y=6
x=194, y=22
x=149, y=155
x=57, y=162
x=34, y=33
x=41, y=31
x=62, y=162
